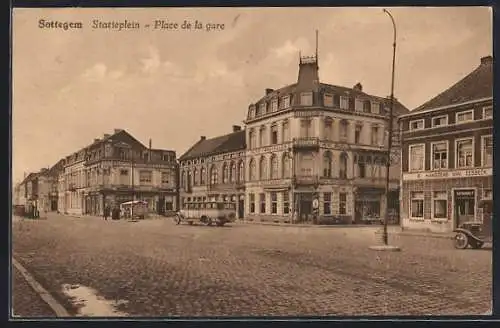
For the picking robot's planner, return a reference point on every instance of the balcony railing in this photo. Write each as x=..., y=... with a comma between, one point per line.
x=306, y=180
x=306, y=143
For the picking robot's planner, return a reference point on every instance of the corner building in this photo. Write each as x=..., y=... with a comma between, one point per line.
x=448, y=154
x=311, y=143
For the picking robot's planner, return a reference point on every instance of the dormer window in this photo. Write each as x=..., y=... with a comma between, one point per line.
x=274, y=105
x=328, y=100
x=375, y=108
x=487, y=112
x=252, y=112
x=358, y=105
x=440, y=121
x=367, y=106
x=351, y=102
x=285, y=102
x=464, y=117
x=262, y=108
x=306, y=98
x=344, y=102
x=416, y=125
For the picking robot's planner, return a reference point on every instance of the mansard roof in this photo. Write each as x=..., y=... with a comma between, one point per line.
x=222, y=144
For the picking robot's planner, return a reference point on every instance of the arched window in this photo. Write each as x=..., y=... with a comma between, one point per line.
x=183, y=179
x=195, y=177
x=287, y=163
x=262, y=168
x=214, y=176
x=274, y=167
x=190, y=180
x=232, y=173
x=252, y=170
x=241, y=172
x=253, y=139
x=343, y=130
x=225, y=173
x=202, y=176
x=327, y=164
x=343, y=166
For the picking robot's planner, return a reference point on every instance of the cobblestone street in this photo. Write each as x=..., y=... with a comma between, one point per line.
x=163, y=269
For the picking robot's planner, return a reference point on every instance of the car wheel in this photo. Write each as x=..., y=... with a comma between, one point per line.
x=461, y=240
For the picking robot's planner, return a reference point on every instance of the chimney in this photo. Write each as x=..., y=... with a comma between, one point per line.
x=106, y=135
x=236, y=128
x=150, y=142
x=268, y=91
x=118, y=130
x=97, y=140
x=487, y=60
x=203, y=138
x=358, y=87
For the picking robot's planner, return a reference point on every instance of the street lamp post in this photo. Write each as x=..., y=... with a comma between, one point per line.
x=292, y=158
x=389, y=132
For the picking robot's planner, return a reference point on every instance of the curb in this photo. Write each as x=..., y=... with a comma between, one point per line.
x=415, y=234
x=58, y=309
x=309, y=225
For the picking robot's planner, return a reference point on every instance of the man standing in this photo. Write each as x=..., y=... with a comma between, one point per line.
x=106, y=212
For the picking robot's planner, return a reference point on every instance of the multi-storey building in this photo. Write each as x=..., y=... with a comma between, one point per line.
x=115, y=169
x=318, y=147
x=447, y=153
x=214, y=170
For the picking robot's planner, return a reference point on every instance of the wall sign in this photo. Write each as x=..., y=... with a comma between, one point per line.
x=450, y=174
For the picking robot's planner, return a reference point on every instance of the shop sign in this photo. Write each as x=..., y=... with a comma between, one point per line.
x=451, y=174
x=464, y=193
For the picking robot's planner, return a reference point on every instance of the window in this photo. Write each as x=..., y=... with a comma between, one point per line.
x=328, y=100
x=225, y=173
x=416, y=125
x=327, y=203
x=375, y=108
x=262, y=108
x=374, y=136
x=327, y=164
x=344, y=102
x=343, y=130
x=286, y=202
x=343, y=166
x=274, y=167
x=417, y=205
x=145, y=177
x=361, y=169
x=487, y=151
x=252, y=203
x=440, y=205
x=286, y=165
x=351, y=103
x=367, y=106
x=306, y=98
x=165, y=177
x=262, y=169
x=417, y=157
x=464, y=117
x=439, y=121
x=357, y=133
x=262, y=136
x=487, y=112
x=251, y=112
x=262, y=203
x=286, y=131
x=328, y=128
x=342, y=203
x=202, y=176
x=440, y=155
x=358, y=105
x=232, y=172
x=214, y=175
x=252, y=169
x=123, y=172
x=306, y=164
x=285, y=102
x=274, y=202
x=241, y=172
x=487, y=194
x=274, y=105
x=305, y=128
x=183, y=179
x=253, y=140
x=274, y=134
x=165, y=158
x=195, y=177
x=464, y=153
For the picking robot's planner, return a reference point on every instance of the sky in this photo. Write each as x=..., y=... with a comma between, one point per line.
x=173, y=86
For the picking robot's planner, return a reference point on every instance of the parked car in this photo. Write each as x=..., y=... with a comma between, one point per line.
x=476, y=233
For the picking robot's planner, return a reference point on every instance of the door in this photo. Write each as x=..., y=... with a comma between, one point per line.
x=465, y=206
x=241, y=208
x=305, y=206
x=160, y=206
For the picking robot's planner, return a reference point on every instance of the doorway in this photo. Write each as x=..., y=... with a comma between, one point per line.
x=465, y=206
x=305, y=206
x=241, y=208
x=160, y=205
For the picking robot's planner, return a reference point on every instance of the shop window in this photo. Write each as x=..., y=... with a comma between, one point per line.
x=327, y=203
x=342, y=203
x=262, y=203
x=286, y=202
x=252, y=203
x=440, y=205
x=417, y=205
x=274, y=203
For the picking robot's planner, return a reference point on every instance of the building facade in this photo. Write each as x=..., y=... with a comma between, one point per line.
x=214, y=170
x=318, y=150
x=115, y=169
x=447, y=154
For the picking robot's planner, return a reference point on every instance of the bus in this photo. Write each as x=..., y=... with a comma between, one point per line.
x=208, y=213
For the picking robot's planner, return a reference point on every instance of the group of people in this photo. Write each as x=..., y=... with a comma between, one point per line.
x=114, y=212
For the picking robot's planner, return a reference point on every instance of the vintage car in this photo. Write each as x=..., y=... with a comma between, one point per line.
x=136, y=209
x=207, y=213
x=476, y=233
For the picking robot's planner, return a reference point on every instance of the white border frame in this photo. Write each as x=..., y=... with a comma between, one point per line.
x=483, y=137
x=409, y=157
x=456, y=152
x=447, y=155
x=484, y=109
x=453, y=218
x=410, y=199
x=464, y=112
x=432, y=206
x=439, y=116
x=418, y=120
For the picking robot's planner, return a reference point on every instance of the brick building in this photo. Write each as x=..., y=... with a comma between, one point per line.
x=214, y=170
x=448, y=154
x=311, y=143
x=115, y=169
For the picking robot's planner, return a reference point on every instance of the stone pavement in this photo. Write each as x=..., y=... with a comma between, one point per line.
x=163, y=269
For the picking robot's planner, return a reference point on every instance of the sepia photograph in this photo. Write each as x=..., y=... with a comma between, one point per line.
x=251, y=162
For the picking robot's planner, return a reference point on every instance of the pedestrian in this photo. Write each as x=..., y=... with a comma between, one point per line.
x=106, y=212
